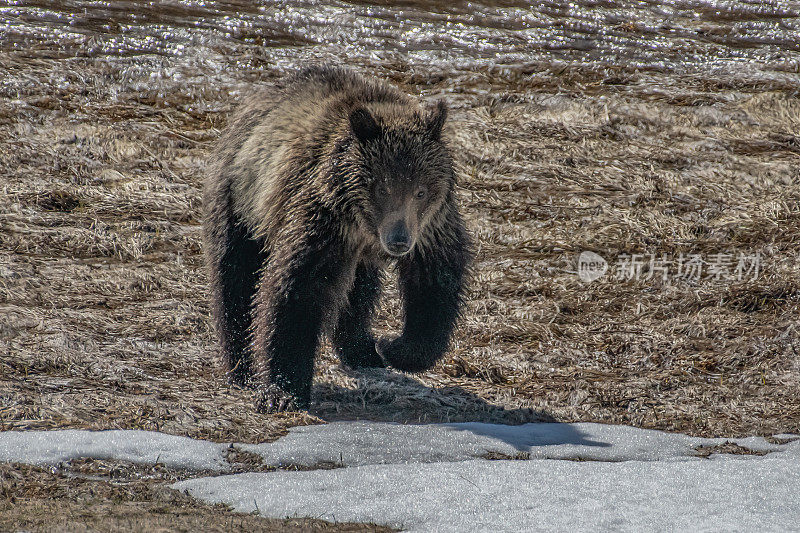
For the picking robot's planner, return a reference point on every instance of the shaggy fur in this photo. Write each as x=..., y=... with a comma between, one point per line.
x=309, y=192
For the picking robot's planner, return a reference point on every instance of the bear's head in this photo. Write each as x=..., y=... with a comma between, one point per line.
x=407, y=171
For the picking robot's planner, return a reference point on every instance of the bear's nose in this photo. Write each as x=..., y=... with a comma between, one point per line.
x=398, y=240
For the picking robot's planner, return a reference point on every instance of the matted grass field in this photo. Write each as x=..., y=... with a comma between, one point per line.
x=103, y=315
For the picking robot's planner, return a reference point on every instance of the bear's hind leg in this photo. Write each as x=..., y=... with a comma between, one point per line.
x=351, y=337
x=235, y=287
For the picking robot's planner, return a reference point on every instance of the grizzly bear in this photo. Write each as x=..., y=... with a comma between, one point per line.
x=312, y=190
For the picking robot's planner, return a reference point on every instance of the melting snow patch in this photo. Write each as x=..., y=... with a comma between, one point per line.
x=141, y=447
x=363, y=443
x=431, y=477
x=537, y=495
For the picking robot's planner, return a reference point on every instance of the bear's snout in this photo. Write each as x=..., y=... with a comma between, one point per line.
x=398, y=240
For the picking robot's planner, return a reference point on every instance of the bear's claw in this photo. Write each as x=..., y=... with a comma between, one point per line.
x=273, y=399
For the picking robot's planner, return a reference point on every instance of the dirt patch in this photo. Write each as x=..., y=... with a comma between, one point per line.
x=244, y=461
x=499, y=456
x=781, y=440
x=728, y=448
x=125, y=472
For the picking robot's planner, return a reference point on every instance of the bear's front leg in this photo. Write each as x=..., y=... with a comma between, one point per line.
x=351, y=337
x=432, y=286
x=292, y=301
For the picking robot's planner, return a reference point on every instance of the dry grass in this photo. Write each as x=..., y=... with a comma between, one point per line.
x=35, y=499
x=104, y=320
x=103, y=314
x=550, y=178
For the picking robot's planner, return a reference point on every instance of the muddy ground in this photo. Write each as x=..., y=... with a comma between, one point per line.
x=104, y=321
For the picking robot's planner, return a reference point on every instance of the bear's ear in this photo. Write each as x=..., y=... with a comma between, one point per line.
x=436, y=118
x=363, y=125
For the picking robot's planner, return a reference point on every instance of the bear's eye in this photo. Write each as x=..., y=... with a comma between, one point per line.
x=420, y=193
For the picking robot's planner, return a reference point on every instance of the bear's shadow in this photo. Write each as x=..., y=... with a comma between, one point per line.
x=388, y=396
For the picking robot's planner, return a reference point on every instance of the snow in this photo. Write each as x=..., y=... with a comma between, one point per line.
x=724, y=494
x=362, y=443
x=433, y=478
x=140, y=447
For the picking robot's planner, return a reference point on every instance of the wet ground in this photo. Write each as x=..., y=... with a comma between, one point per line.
x=462, y=48
x=621, y=128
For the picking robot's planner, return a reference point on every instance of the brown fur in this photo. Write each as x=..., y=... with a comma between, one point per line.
x=296, y=232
